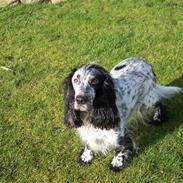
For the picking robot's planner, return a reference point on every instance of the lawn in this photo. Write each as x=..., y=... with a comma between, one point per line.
x=41, y=44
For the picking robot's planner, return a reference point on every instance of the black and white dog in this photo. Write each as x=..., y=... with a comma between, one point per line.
x=98, y=104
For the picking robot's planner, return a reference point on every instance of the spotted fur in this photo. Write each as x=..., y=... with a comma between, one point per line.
x=99, y=104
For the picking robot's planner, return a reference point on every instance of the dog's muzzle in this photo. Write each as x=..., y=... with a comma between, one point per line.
x=82, y=103
x=81, y=99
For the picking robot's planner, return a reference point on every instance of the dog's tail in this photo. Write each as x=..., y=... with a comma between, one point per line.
x=167, y=91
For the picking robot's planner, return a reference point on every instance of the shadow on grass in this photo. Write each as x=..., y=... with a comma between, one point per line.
x=152, y=134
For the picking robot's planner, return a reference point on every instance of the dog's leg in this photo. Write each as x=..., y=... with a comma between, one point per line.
x=153, y=109
x=86, y=156
x=123, y=154
x=159, y=114
x=155, y=114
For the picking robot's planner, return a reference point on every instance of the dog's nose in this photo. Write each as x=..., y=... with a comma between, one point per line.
x=81, y=99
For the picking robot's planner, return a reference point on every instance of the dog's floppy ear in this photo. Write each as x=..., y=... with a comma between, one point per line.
x=104, y=114
x=71, y=116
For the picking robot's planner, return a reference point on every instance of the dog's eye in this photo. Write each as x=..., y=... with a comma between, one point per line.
x=78, y=76
x=94, y=81
x=76, y=81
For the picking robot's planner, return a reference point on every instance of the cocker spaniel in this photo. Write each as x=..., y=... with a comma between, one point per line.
x=98, y=104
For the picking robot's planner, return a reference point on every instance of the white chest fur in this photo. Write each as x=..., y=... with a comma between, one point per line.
x=98, y=140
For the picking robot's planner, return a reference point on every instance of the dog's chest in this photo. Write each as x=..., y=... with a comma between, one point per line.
x=98, y=140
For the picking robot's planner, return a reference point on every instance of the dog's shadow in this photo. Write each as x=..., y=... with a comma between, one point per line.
x=174, y=109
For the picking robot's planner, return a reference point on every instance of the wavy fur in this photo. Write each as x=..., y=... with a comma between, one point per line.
x=71, y=116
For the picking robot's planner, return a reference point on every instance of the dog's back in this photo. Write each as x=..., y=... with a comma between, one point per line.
x=135, y=84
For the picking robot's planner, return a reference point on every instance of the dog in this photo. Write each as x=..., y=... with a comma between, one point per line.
x=98, y=105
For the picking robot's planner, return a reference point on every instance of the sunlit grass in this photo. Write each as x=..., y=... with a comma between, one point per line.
x=41, y=43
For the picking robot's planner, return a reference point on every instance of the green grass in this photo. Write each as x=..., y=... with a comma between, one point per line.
x=41, y=43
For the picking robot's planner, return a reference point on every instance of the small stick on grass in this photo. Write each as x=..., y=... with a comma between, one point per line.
x=5, y=68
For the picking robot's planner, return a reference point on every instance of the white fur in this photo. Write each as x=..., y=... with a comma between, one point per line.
x=118, y=160
x=167, y=91
x=80, y=88
x=98, y=140
x=87, y=155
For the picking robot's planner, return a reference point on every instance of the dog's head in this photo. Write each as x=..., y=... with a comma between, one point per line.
x=90, y=89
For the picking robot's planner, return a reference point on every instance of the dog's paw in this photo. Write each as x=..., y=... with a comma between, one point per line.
x=120, y=161
x=115, y=168
x=117, y=164
x=86, y=157
x=159, y=115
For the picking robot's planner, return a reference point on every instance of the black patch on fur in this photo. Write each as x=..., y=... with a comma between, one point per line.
x=115, y=169
x=159, y=114
x=71, y=116
x=104, y=113
x=119, y=67
x=125, y=142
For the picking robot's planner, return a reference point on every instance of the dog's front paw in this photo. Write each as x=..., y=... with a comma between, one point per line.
x=86, y=156
x=115, y=168
x=120, y=161
x=117, y=164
